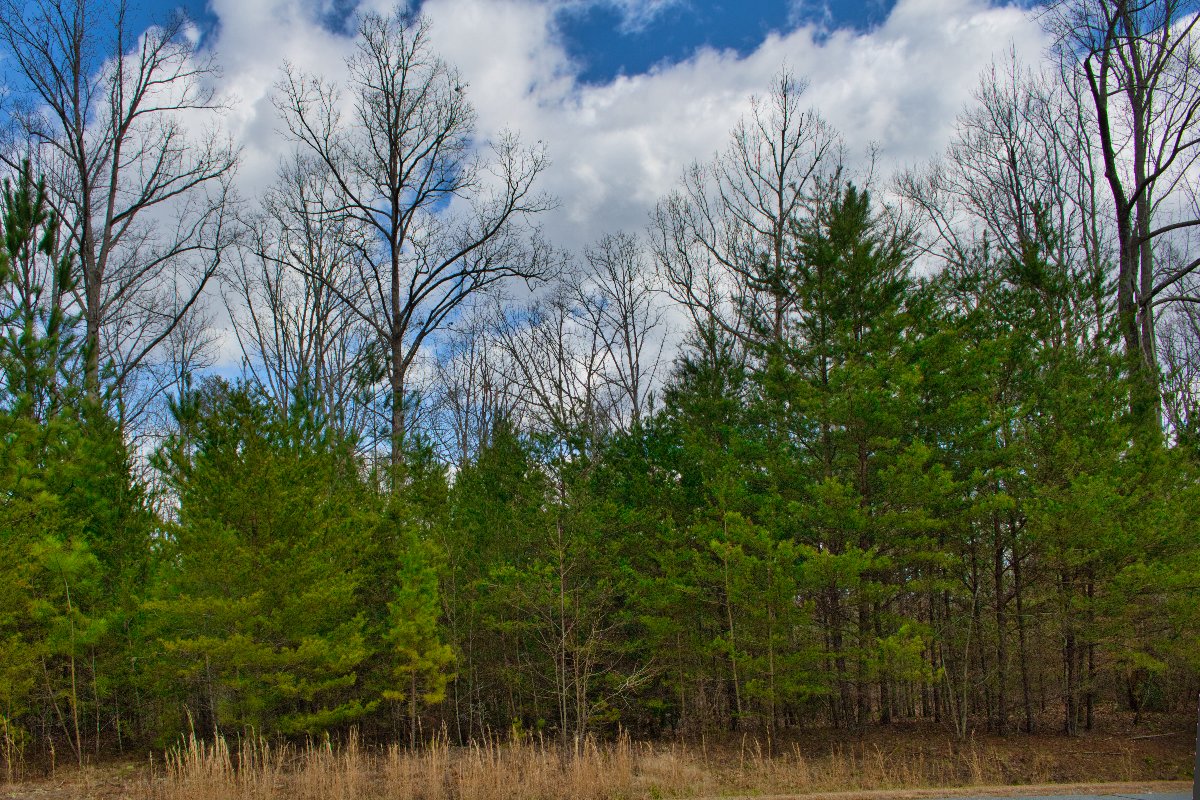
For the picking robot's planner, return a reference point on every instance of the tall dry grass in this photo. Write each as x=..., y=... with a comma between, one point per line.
x=10, y=749
x=254, y=769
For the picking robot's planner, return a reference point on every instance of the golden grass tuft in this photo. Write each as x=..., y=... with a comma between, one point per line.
x=535, y=769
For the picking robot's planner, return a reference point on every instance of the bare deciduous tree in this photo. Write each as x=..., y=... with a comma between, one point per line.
x=397, y=142
x=113, y=118
x=620, y=301
x=560, y=365
x=721, y=236
x=1139, y=62
x=583, y=359
x=1179, y=352
x=1021, y=164
x=475, y=385
x=289, y=297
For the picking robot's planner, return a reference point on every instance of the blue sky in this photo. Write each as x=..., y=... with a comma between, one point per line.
x=605, y=44
x=606, y=39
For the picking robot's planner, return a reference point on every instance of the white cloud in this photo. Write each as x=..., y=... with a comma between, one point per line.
x=618, y=147
x=637, y=14
x=255, y=38
x=802, y=12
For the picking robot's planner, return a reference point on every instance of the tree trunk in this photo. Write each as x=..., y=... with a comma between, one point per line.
x=1018, y=591
x=1090, y=682
x=1001, y=623
x=733, y=665
x=397, y=397
x=1070, y=664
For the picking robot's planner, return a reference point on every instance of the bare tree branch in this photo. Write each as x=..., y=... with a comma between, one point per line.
x=397, y=144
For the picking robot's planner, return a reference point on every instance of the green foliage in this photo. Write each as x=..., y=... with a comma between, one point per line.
x=40, y=351
x=421, y=660
x=920, y=497
x=74, y=530
x=255, y=608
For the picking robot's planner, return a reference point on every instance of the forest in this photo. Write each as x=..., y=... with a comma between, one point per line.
x=818, y=447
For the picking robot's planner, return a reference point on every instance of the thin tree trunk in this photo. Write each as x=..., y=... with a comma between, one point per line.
x=737, y=692
x=1001, y=633
x=397, y=396
x=1071, y=691
x=1090, y=682
x=1018, y=591
x=412, y=712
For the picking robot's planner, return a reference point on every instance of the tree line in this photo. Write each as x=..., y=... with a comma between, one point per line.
x=814, y=448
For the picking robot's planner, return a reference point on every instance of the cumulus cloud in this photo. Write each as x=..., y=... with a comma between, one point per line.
x=620, y=146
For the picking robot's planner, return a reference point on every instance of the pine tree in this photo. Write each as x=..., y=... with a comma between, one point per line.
x=255, y=609
x=421, y=661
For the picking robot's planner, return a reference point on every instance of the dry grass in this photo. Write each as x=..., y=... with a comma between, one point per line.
x=521, y=770
x=900, y=762
x=538, y=770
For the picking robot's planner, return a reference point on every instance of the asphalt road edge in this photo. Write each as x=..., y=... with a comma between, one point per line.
x=1022, y=790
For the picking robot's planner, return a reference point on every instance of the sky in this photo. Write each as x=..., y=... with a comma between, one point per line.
x=628, y=37
x=626, y=93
